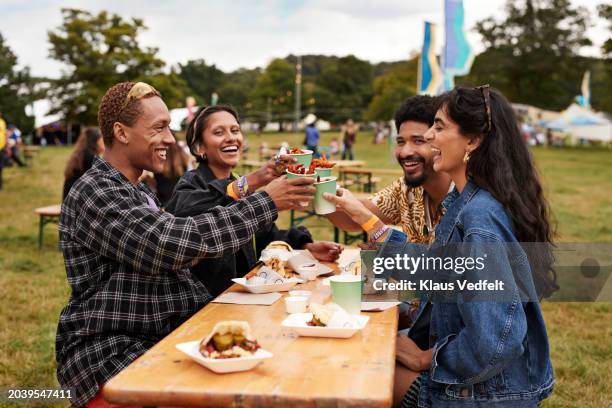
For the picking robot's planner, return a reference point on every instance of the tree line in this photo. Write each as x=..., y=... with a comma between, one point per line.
x=531, y=55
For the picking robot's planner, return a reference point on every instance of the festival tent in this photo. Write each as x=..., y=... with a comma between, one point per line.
x=583, y=123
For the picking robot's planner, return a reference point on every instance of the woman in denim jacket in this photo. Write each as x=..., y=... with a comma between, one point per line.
x=479, y=353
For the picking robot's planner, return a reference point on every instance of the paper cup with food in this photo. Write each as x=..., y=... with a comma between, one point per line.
x=322, y=166
x=298, y=171
x=324, y=185
x=303, y=156
x=230, y=347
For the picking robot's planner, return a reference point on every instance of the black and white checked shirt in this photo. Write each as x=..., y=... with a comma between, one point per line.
x=127, y=266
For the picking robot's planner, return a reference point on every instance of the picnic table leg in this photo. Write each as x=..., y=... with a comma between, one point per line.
x=292, y=214
x=41, y=227
x=336, y=235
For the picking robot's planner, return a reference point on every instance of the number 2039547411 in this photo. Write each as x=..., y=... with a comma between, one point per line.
x=31, y=394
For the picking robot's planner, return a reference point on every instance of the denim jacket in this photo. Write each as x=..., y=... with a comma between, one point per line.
x=492, y=353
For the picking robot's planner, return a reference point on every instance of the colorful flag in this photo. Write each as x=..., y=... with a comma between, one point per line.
x=585, y=88
x=457, y=56
x=429, y=71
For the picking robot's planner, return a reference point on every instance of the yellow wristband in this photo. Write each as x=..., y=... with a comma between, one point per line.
x=369, y=224
x=231, y=192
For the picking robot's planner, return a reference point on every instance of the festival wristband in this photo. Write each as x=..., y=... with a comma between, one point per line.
x=231, y=191
x=369, y=224
x=379, y=233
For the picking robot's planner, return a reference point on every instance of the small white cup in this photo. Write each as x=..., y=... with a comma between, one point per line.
x=296, y=304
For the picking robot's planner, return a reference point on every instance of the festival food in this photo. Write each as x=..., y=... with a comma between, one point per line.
x=300, y=169
x=279, y=245
x=277, y=265
x=322, y=163
x=321, y=315
x=229, y=339
x=296, y=150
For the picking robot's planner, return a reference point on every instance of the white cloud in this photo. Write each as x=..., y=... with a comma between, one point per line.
x=248, y=34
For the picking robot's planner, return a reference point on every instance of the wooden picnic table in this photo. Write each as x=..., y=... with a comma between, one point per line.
x=49, y=214
x=304, y=372
x=348, y=163
x=355, y=175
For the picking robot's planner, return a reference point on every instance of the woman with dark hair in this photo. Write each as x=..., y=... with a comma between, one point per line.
x=492, y=353
x=88, y=146
x=214, y=137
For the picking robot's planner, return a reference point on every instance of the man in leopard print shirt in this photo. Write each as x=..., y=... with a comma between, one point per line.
x=413, y=200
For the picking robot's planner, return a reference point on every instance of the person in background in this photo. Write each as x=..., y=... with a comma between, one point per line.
x=14, y=144
x=89, y=145
x=2, y=145
x=312, y=138
x=349, y=137
x=334, y=148
x=215, y=139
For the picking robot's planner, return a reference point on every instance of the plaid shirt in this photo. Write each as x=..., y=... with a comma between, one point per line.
x=127, y=267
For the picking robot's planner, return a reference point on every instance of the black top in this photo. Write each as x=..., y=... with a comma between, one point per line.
x=87, y=163
x=165, y=186
x=197, y=192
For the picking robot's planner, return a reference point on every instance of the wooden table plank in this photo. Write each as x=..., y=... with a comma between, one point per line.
x=51, y=210
x=304, y=372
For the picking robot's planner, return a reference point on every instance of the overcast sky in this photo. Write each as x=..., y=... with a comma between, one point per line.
x=244, y=33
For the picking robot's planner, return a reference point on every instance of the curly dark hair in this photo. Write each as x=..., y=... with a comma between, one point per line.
x=195, y=130
x=113, y=108
x=503, y=165
x=418, y=108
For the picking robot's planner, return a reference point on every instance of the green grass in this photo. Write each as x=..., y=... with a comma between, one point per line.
x=33, y=288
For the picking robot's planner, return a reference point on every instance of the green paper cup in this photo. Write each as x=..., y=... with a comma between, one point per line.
x=294, y=176
x=346, y=292
x=303, y=158
x=321, y=205
x=323, y=172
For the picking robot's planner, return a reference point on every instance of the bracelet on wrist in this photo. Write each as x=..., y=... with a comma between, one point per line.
x=376, y=235
x=369, y=224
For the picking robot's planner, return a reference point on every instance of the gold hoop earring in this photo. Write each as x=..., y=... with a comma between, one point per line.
x=466, y=157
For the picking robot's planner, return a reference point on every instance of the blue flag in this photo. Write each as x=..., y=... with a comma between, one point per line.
x=429, y=71
x=457, y=56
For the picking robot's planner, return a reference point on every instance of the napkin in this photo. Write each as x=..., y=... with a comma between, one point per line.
x=341, y=318
x=282, y=254
x=307, y=266
x=241, y=298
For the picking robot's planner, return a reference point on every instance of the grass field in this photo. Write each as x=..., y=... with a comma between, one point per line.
x=33, y=286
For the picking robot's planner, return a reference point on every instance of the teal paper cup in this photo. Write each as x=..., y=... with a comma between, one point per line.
x=303, y=158
x=323, y=172
x=321, y=205
x=294, y=176
x=346, y=292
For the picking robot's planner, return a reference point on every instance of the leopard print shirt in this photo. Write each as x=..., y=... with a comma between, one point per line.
x=405, y=206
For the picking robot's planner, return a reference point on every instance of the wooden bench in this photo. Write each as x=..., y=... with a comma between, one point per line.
x=29, y=151
x=49, y=214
